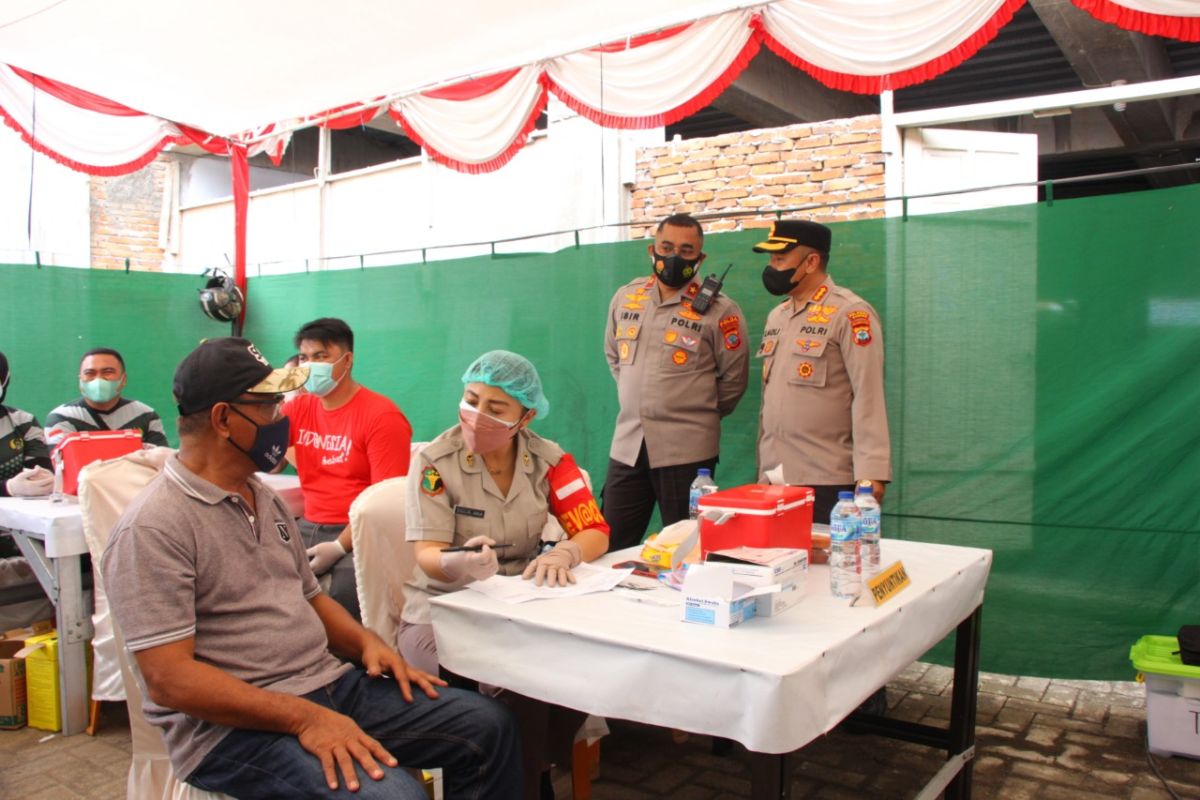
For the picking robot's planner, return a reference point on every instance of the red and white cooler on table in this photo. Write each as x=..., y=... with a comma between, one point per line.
x=756, y=515
x=80, y=448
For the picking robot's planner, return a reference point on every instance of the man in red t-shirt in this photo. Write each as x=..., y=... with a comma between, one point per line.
x=345, y=437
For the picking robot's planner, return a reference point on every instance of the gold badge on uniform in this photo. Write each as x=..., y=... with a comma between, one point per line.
x=768, y=347
x=860, y=325
x=680, y=357
x=431, y=482
x=805, y=370
x=623, y=351
x=819, y=294
x=670, y=336
x=635, y=302
x=631, y=332
x=685, y=311
x=807, y=344
x=821, y=314
x=692, y=289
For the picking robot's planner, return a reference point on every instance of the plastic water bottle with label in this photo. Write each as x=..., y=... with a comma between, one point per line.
x=870, y=529
x=845, y=557
x=703, y=485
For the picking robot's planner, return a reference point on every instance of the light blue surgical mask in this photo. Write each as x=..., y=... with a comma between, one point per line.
x=99, y=390
x=320, y=377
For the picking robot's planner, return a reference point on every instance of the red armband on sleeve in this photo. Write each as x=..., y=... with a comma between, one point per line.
x=571, y=501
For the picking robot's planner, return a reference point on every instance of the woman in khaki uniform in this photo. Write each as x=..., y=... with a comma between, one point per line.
x=491, y=481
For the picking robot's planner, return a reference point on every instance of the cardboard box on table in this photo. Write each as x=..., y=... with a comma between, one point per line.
x=754, y=566
x=756, y=515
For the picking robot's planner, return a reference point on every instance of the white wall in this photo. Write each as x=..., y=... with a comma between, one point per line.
x=570, y=176
x=61, y=224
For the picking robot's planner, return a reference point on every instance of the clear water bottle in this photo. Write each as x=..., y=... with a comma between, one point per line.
x=56, y=495
x=703, y=485
x=845, y=558
x=870, y=529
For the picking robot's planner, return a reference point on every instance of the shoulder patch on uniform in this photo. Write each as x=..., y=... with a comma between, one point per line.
x=860, y=326
x=729, y=332
x=431, y=482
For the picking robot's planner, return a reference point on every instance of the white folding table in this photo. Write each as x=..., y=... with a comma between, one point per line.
x=50, y=536
x=772, y=683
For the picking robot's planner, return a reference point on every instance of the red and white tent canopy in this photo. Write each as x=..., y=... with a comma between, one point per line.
x=103, y=87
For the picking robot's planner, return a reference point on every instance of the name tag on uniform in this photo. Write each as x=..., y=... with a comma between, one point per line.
x=469, y=512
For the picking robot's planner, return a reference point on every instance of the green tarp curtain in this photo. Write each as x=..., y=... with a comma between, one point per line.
x=1043, y=376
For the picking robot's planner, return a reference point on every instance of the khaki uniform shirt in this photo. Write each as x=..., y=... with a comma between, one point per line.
x=823, y=412
x=677, y=372
x=451, y=497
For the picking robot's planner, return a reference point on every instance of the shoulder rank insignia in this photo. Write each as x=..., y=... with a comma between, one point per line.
x=819, y=294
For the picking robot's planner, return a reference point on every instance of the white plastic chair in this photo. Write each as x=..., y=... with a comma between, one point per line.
x=105, y=489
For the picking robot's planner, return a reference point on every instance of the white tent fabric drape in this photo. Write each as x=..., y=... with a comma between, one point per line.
x=1174, y=19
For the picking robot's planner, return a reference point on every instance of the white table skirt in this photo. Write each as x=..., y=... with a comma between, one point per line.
x=773, y=684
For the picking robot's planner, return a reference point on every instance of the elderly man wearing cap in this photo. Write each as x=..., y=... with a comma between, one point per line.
x=209, y=581
x=823, y=419
x=679, y=370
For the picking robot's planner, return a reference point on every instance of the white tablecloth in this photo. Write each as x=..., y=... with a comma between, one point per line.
x=772, y=683
x=59, y=525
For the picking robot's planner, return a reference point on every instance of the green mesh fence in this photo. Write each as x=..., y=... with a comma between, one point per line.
x=1043, y=368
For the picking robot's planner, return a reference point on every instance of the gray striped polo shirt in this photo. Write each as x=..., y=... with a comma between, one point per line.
x=124, y=416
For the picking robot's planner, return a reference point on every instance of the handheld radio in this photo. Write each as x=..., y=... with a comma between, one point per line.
x=709, y=291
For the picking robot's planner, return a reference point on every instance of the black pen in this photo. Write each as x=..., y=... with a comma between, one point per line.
x=474, y=548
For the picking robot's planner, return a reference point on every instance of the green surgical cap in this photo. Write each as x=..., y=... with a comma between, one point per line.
x=514, y=374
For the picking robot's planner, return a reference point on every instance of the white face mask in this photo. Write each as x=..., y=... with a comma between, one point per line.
x=320, y=377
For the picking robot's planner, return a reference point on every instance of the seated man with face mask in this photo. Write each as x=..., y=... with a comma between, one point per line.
x=102, y=378
x=344, y=438
x=491, y=481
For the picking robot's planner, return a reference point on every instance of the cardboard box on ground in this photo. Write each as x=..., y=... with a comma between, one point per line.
x=13, y=683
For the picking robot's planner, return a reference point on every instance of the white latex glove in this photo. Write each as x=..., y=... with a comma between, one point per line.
x=323, y=555
x=465, y=565
x=31, y=482
x=554, y=568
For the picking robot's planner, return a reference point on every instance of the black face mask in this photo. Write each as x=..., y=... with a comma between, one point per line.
x=270, y=442
x=778, y=281
x=675, y=271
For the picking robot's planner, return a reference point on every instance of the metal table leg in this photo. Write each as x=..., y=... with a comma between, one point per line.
x=62, y=580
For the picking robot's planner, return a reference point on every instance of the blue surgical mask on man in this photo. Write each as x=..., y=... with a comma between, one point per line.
x=320, y=377
x=100, y=390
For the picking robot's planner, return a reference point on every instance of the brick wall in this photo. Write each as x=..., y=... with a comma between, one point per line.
x=763, y=171
x=125, y=218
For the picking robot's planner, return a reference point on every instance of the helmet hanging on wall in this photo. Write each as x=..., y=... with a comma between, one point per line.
x=220, y=298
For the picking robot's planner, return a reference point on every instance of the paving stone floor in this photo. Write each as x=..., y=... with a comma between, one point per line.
x=1037, y=738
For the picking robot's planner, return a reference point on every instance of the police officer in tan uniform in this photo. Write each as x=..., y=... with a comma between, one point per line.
x=678, y=372
x=486, y=482
x=823, y=414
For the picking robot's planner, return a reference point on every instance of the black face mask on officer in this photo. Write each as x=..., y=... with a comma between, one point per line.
x=778, y=281
x=674, y=270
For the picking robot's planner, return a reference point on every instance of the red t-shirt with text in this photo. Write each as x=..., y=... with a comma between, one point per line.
x=341, y=452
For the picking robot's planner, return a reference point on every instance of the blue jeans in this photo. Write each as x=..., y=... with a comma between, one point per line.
x=473, y=738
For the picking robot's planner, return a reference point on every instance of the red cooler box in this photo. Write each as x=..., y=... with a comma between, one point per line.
x=763, y=516
x=81, y=448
